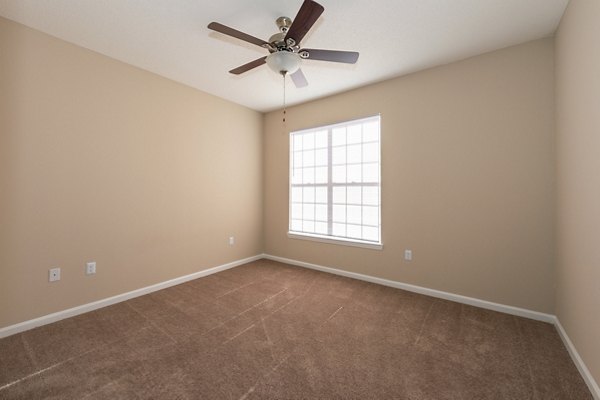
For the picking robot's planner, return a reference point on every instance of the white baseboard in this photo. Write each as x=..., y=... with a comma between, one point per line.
x=521, y=312
x=583, y=370
x=71, y=312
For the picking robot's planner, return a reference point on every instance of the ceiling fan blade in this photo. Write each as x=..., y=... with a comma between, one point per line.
x=215, y=26
x=247, y=67
x=299, y=79
x=307, y=15
x=348, y=57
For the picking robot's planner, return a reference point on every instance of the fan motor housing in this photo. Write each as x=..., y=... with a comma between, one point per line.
x=278, y=40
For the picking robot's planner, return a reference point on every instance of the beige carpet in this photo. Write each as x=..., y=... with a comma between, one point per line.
x=267, y=330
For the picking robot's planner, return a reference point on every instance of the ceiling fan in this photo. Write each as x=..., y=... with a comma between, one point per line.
x=284, y=47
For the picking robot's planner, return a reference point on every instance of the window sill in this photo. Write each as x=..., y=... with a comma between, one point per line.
x=338, y=241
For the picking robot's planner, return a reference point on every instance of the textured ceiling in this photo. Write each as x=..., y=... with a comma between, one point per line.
x=394, y=37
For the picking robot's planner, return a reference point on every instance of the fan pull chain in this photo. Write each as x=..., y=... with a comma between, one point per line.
x=284, y=109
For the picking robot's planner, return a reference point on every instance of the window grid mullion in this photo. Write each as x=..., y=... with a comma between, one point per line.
x=361, y=179
x=346, y=180
x=291, y=175
x=374, y=184
x=329, y=183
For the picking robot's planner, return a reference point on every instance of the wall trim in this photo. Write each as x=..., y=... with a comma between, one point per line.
x=521, y=312
x=583, y=370
x=71, y=312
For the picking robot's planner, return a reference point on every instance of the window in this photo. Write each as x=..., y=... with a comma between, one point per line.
x=335, y=183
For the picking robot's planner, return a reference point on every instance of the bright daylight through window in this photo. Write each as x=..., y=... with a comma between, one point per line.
x=335, y=183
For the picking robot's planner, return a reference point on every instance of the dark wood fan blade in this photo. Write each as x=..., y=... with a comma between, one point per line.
x=348, y=57
x=308, y=14
x=299, y=79
x=215, y=26
x=249, y=66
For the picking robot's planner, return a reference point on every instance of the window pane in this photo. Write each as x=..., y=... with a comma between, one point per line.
x=371, y=131
x=338, y=136
x=353, y=215
x=339, y=230
x=297, y=160
x=354, y=195
x=308, y=195
x=308, y=175
x=297, y=211
x=370, y=233
x=370, y=152
x=371, y=195
x=321, y=175
x=308, y=226
x=370, y=215
x=308, y=143
x=321, y=139
x=339, y=213
x=370, y=172
x=296, y=195
x=321, y=227
x=321, y=212
x=297, y=142
x=354, y=174
x=297, y=175
x=296, y=225
x=308, y=158
x=354, y=134
x=321, y=157
x=339, y=194
x=353, y=231
x=321, y=195
x=338, y=174
x=338, y=154
x=353, y=155
x=308, y=211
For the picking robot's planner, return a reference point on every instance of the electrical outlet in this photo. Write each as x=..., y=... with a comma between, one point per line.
x=53, y=274
x=90, y=268
x=231, y=240
x=408, y=255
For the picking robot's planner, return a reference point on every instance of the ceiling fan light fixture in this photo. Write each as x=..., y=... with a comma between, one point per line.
x=283, y=62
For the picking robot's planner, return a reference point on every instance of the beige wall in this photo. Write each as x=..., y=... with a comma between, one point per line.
x=467, y=177
x=102, y=161
x=578, y=144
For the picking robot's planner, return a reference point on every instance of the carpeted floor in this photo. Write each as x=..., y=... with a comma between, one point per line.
x=267, y=330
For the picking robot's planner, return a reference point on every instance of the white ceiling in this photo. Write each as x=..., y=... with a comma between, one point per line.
x=394, y=37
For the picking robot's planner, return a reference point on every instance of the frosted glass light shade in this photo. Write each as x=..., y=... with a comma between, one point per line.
x=283, y=62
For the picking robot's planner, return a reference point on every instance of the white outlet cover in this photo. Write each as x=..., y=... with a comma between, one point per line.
x=90, y=268
x=408, y=255
x=231, y=240
x=53, y=274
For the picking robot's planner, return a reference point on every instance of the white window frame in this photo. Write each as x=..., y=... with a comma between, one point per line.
x=330, y=238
